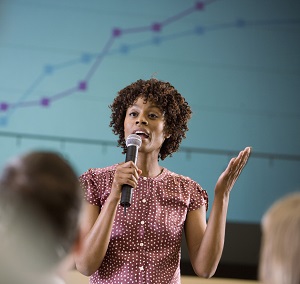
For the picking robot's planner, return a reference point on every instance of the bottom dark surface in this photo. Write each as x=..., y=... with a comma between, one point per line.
x=234, y=271
x=240, y=256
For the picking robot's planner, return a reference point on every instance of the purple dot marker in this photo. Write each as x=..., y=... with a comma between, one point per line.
x=45, y=102
x=156, y=27
x=82, y=86
x=116, y=32
x=199, y=5
x=3, y=106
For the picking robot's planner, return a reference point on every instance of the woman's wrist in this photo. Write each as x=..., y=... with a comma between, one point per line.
x=114, y=198
x=222, y=196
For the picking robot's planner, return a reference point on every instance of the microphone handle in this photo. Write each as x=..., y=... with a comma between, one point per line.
x=127, y=190
x=126, y=196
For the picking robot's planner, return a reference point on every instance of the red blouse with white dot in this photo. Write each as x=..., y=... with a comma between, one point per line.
x=145, y=244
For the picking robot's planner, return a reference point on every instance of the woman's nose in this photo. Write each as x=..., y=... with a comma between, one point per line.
x=141, y=120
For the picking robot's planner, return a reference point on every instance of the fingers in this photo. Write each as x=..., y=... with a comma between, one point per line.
x=228, y=178
x=241, y=160
x=244, y=156
x=239, y=163
x=235, y=167
x=126, y=173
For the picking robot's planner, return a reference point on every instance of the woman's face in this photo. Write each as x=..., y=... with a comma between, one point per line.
x=146, y=120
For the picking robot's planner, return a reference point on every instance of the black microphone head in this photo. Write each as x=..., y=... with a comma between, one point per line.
x=134, y=139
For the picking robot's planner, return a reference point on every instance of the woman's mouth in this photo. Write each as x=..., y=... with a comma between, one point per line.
x=142, y=134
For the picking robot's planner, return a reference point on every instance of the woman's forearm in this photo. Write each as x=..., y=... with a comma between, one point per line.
x=211, y=248
x=96, y=241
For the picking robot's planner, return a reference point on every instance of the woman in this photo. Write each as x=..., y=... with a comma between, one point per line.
x=144, y=246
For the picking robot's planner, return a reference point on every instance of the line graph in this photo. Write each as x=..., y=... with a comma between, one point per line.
x=236, y=62
x=8, y=108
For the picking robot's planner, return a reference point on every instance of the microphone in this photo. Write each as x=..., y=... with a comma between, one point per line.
x=133, y=143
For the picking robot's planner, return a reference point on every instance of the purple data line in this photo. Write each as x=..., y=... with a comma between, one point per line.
x=116, y=33
x=156, y=26
x=45, y=101
x=137, y=29
x=26, y=104
x=198, y=6
x=178, y=16
x=99, y=59
x=64, y=93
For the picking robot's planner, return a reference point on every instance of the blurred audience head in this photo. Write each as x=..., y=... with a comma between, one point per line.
x=280, y=250
x=40, y=204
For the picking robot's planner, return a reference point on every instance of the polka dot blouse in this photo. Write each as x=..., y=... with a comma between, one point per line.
x=145, y=245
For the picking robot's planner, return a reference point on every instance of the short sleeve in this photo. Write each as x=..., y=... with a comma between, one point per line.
x=198, y=198
x=90, y=187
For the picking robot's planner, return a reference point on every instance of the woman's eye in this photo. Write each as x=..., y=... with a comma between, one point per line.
x=153, y=115
x=133, y=114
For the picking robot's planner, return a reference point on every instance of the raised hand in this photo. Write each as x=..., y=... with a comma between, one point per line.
x=228, y=178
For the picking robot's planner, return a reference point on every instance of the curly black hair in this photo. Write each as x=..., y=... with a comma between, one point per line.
x=176, y=111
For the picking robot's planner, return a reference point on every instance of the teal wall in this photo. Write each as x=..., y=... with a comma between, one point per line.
x=236, y=62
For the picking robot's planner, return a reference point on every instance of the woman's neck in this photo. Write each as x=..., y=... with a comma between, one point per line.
x=149, y=165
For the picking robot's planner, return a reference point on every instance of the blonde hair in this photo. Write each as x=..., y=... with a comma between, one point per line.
x=280, y=250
